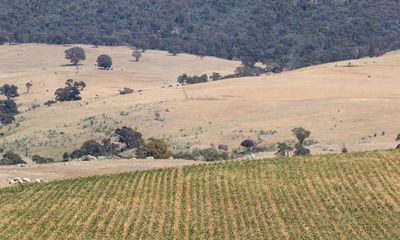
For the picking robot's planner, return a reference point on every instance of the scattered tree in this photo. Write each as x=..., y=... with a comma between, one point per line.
x=8, y=109
x=28, y=86
x=69, y=93
x=301, y=134
x=398, y=137
x=137, y=55
x=104, y=62
x=75, y=55
x=131, y=138
x=9, y=91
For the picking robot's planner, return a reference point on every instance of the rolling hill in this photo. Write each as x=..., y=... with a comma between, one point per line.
x=354, y=104
x=346, y=196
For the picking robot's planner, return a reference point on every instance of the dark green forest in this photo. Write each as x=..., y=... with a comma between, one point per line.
x=287, y=33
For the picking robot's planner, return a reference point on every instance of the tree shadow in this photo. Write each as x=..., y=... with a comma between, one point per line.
x=71, y=65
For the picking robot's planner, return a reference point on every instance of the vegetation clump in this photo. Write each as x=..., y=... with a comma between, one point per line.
x=11, y=158
x=9, y=91
x=8, y=110
x=185, y=79
x=42, y=160
x=71, y=91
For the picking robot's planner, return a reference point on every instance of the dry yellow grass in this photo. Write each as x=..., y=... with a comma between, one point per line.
x=338, y=104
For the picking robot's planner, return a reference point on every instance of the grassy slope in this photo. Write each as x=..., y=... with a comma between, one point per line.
x=332, y=196
x=338, y=104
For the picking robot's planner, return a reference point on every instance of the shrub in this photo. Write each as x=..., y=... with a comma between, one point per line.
x=248, y=144
x=126, y=91
x=104, y=62
x=80, y=85
x=222, y=147
x=42, y=160
x=75, y=55
x=11, y=158
x=300, y=150
x=49, y=103
x=216, y=76
x=158, y=149
x=66, y=157
x=398, y=137
x=283, y=150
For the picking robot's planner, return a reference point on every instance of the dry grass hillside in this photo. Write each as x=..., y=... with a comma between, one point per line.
x=357, y=105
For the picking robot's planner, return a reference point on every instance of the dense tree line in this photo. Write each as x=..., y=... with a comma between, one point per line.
x=291, y=34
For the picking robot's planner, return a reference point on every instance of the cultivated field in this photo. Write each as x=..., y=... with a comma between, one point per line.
x=352, y=196
x=357, y=105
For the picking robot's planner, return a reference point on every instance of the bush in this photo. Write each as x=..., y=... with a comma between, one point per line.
x=126, y=91
x=158, y=149
x=248, y=144
x=300, y=150
x=11, y=158
x=66, y=157
x=49, y=103
x=283, y=150
x=104, y=62
x=41, y=160
x=216, y=76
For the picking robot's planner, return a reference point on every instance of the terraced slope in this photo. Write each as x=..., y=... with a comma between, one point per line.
x=333, y=196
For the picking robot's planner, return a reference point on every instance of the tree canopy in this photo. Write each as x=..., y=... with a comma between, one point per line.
x=290, y=34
